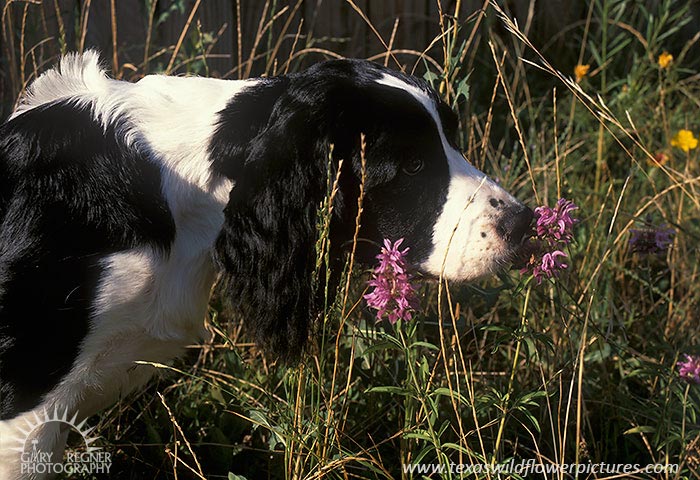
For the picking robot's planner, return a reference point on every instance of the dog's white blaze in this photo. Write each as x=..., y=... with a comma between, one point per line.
x=460, y=252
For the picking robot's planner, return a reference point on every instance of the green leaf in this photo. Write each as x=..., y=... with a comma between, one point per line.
x=454, y=446
x=640, y=429
x=431, y=78
x=462, y=89
x=216, y=394
x=425, y=345
x=389, y=389
x=420, y=435
x=444, y=391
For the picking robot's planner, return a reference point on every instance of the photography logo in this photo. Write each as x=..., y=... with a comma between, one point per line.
x=84, y=459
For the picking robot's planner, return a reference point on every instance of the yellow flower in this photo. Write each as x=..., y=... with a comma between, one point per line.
x=581, y=71
x=665, y=60
x=684, y=140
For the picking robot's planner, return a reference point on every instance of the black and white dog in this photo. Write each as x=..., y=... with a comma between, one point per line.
x=120, y=202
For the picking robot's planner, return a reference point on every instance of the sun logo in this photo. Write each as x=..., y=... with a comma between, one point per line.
x=35, y=461
x=31, y=424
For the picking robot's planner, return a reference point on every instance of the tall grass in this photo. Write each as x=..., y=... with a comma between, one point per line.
x=580, y=369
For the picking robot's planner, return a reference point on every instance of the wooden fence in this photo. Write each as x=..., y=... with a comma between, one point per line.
x=34, y=32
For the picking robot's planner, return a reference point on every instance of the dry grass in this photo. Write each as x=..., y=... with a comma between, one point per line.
x=577, y=370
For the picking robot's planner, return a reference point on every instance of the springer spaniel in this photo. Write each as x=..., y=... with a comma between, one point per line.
x=120, y=202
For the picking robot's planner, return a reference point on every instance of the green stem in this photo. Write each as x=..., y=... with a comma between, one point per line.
x=514, y=366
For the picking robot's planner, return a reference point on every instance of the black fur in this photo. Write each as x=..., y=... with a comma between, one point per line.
x=279, y=164
x=71, y=192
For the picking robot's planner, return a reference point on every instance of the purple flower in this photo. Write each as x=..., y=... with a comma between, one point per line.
x=689, y=370
x=549, y=266
x=393, y=294
x=555, y=224
x=654, y=240
x=553, y=231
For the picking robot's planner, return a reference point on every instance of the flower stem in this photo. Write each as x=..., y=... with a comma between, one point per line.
x=523, y=324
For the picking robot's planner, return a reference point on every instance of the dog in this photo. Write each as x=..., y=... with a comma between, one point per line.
x=121, y=202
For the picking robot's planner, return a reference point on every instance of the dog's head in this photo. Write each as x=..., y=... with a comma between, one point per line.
x=274, y=141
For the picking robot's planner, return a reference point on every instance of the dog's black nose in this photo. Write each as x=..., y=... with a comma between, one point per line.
x=514, y=224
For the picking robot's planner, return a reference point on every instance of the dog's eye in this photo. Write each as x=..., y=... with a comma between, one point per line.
x=413, y=166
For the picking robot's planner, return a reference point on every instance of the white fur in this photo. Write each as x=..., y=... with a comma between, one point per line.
x=459, y=250
x=149, y=306
x=76, y=77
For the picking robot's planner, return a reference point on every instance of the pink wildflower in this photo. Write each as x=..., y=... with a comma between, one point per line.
x=689, y=370
x=556, y=224
x=549, y=266
x=553, y=231
x=393, y=294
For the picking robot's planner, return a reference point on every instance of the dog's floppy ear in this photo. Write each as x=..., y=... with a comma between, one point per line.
x=266, y=247
x=241, y=121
